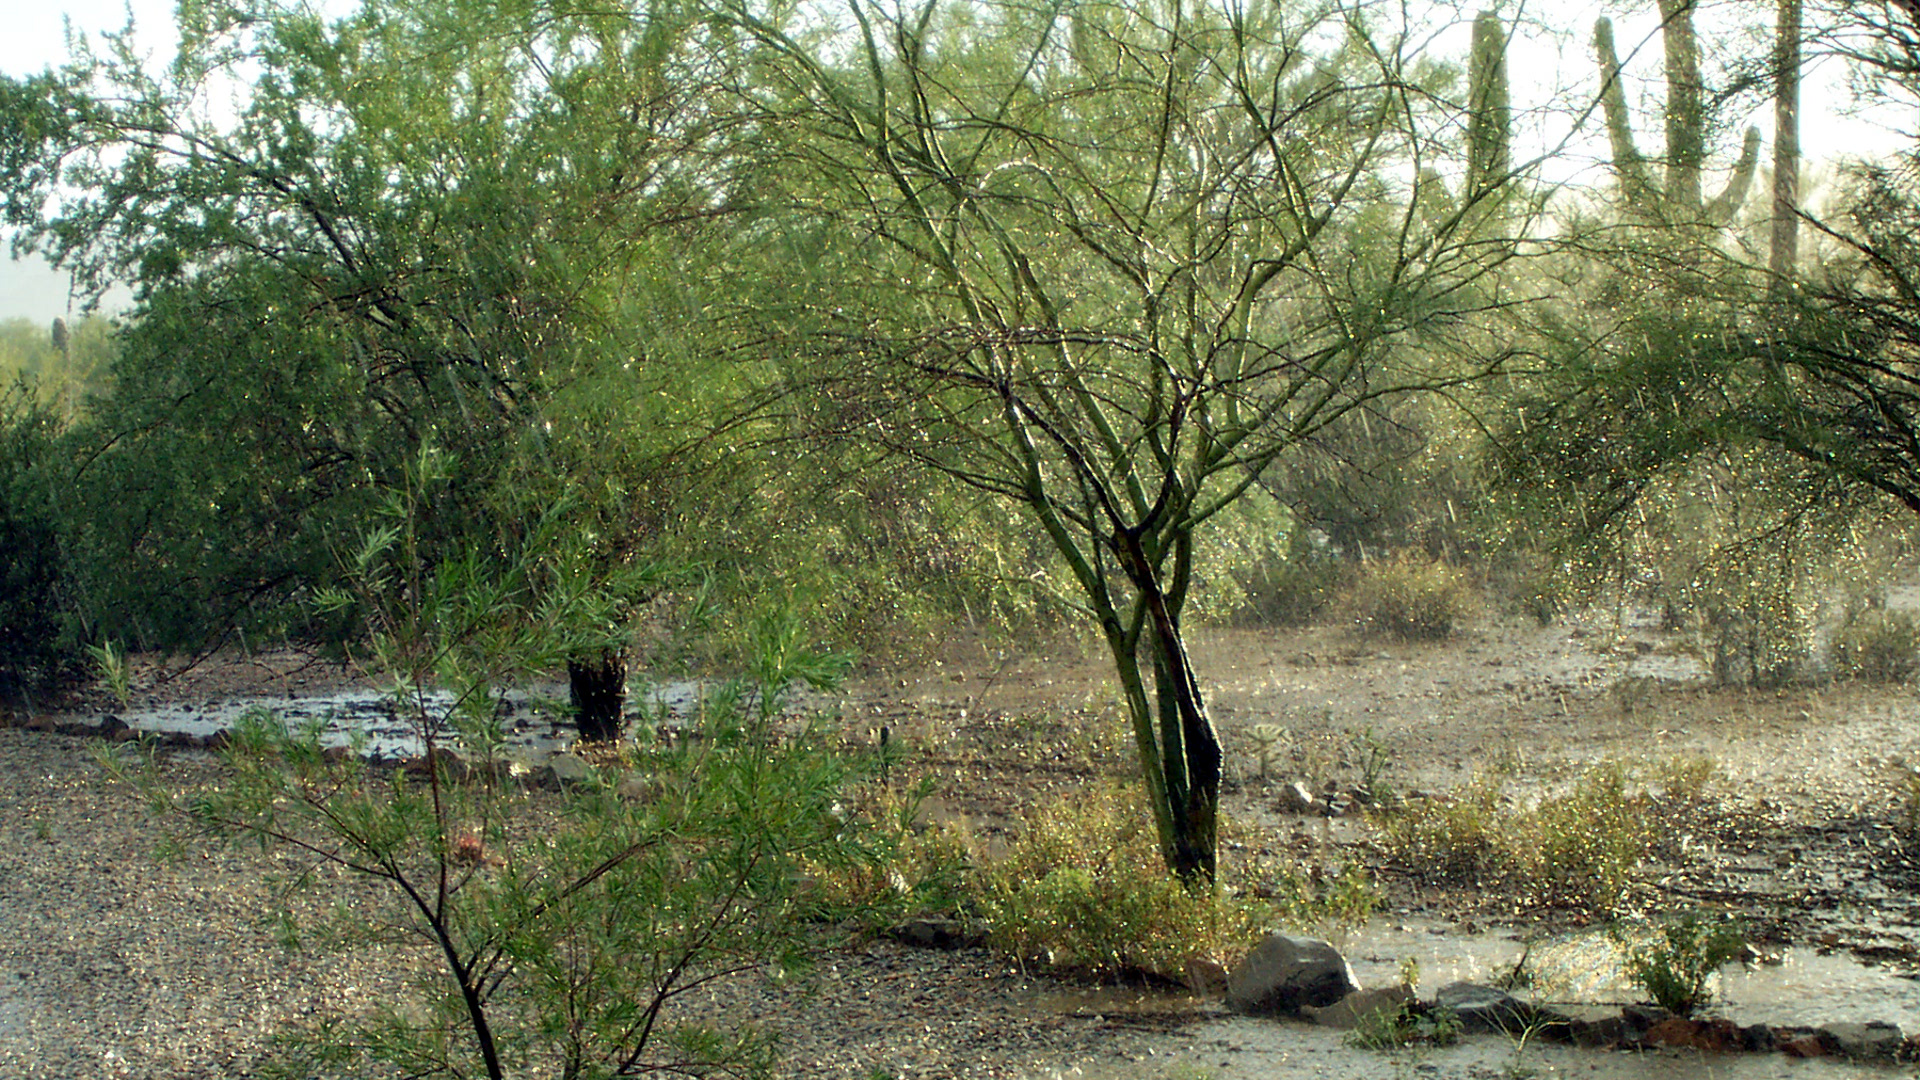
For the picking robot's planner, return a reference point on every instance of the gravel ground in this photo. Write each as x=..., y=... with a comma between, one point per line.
x=115, y=962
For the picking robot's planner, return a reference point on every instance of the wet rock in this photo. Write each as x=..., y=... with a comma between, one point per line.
x=1592, y=1026
x=562, y=770
x=1284, y=973
x=1349, y=1011
x=935, y=932
x=1717, y=1035
x=1206, y=976
x=1294, y=799
x=1807, y=1045
x=1485, y=1008
x=1757, y=1039
x=1639, y=1018
x=1872, y=1041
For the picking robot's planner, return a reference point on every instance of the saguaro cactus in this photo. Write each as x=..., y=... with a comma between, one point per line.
x=1489, y=110
x=1677, y=197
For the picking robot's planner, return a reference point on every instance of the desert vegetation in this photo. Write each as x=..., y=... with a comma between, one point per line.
x=481, y=346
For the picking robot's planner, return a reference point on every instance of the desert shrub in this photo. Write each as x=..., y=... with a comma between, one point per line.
x=1878, y=646
x=1676, y=964
x=903, y=865
x=1290, y=586
x=36, y=646
x=1580, y=848
x=563, y=927
x=1084, y=889
x=1412, y=598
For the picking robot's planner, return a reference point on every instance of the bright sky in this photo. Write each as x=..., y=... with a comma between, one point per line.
x=1560, y=54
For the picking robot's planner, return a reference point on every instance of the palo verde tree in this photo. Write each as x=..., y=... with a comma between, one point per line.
x=420, y=225
x=1109, y=262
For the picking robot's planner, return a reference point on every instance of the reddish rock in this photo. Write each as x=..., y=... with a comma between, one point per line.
x=1717, y=1035
x=1806, y=1046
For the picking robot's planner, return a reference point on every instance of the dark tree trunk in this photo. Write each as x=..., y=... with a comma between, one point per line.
x=597, y=685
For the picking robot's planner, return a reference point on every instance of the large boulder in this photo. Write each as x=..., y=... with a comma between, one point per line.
x=1284, y=973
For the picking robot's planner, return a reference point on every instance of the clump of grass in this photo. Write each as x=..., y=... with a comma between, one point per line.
x=1084, y=889
x=1878, y=646
x=1579, y=849
x=1676, y=965
x=1408, y=1025
x=1412, y=598
x=909, y=865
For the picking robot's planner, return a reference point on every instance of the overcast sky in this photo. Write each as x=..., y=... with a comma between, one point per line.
x=35, y=38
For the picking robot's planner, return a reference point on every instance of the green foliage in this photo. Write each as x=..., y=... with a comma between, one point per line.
x=563, y=928
x=1676, y=965
x=1412, y=598
x=907, y=866
x=38, y=629
x=1878, y=646
x=1579, y=849
x=1084, y=889
x=1410, y=1024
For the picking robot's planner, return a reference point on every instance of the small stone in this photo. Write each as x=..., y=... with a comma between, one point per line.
x=1716, y=1035
x=1294, y=799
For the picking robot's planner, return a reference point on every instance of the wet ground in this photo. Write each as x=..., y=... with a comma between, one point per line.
x=1809, y=843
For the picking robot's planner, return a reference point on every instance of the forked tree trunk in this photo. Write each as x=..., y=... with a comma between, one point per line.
x=597, y=687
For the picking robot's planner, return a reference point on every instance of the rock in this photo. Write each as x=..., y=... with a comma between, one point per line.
x=562, y=770
x=1484, y=1008
x=935, y=932
x=1593, y=1026
x=453, y=768
x=1639, y=1018
x=114, y=729
x=1349, y=1011
x=1294, y=799
x=1283, y=973
x=1806, y=1046
x=1757, y=1039
x=1872, y=1041
x=1718, y=1035
x=42, y=723
x=1206, y=976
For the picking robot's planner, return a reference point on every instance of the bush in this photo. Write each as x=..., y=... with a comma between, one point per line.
x=1579, y=849
x=1412, y=598
x=1878, y=646
x=1084, y=889
x=1676, y=966
x=36, y=651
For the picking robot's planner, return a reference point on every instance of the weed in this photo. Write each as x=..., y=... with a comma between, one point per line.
x=1375, y=758
x=111, y=663
x=1407, y=1025
x=42, y=829
x=1676, y=965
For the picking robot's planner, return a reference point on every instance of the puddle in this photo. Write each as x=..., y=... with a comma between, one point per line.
x=531, y=732
x=1805, y=989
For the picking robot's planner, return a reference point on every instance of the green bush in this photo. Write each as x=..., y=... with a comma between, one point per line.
x=1578, y=849
x=1878, y=646
x=1084, y=889
x=1412, y=599
x=36, y=625
x=1676, y=965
